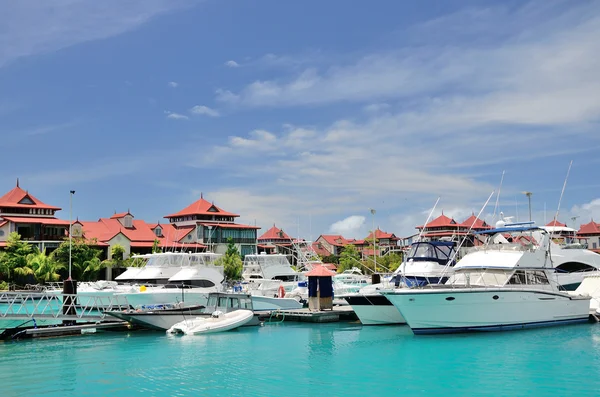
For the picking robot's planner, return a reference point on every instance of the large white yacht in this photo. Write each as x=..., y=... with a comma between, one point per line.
x=191, y=277
x=498, y=286
x=426, y=262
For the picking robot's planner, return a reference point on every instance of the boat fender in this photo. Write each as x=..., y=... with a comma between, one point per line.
x=281, y=292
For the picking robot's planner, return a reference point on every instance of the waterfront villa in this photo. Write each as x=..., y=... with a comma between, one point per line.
x=212, y=226
x=445, y=228
x=590, y=232
x=275, y=241
x=34, y=220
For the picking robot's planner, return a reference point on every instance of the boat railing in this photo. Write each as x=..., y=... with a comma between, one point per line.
x=39, y=305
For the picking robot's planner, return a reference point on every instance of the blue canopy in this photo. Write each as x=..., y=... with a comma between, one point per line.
x=524, y=228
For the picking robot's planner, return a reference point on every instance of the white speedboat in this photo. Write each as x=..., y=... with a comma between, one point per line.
x=163, y=317
x=427, y=262
x=494, y=287
x=217, y=322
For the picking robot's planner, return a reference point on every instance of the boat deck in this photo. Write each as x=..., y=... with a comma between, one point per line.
x=338, y=313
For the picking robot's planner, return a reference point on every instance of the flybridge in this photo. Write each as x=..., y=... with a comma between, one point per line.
x=511, y=228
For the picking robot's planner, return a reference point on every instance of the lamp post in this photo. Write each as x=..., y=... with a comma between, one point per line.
x=374, y=241
x=71, y=193
x=528, y=194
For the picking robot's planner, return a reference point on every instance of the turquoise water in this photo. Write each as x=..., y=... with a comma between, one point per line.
x=308, y=360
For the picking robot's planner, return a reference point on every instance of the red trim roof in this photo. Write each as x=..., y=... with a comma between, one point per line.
x=381, y=235
x=556, y=223
x=121, y=215
x=36, y=220
x=320, y=250
x=319, y=271
x=335, y=239
x=14, y=198
x=475, y=222
x=441, y=221
x=201, y=207
x=275, y=233
x=589, y=228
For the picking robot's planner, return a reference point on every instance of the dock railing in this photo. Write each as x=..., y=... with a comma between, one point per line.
x=55, y=306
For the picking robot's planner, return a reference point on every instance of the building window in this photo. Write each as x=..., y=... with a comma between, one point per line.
x=1, y=233
x=128, y=221
x=158, y=232
x=594, y=245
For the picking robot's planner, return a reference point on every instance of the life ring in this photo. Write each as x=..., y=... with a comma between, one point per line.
x=281, y=292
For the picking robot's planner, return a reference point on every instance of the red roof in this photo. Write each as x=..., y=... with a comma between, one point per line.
x=589, y=228
x=319, y=271
x=330, y=266
x=475, y=222
x=320, y=250
x=556, y=223
x=441, y=221
x=274, y=233
x=381, y=235
x=19, y=198
x=335, y=239
x=120, y=215
x=36, y=220
x=201, y=207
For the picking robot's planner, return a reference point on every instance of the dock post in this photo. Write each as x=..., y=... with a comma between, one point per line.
x=69, y=302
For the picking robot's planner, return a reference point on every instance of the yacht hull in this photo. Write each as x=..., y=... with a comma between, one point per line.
x=266, y=303
x=374, y=309
x=467, y=310
x=166, y=296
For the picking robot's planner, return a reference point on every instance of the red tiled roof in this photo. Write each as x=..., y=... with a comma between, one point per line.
x=36, y=220
x=441, y=221
x=475, y=222
x=362, y=242
x=381, y=235
x=120, y=215
x=335, y=239
x=589, y=228
x=330, y=266
x=201, y=207
x=319, y=271
x=2, y=223
x=16, y=196
x=320, y=250
x=556, y=223
x=275, y=233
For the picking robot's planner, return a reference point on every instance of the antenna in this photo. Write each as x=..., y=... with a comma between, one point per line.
x=428, y=218
x=563, y=190
x=498, y=197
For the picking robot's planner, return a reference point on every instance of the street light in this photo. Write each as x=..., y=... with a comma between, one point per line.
x=374, y=241
x=528, y=194
x=72, y=192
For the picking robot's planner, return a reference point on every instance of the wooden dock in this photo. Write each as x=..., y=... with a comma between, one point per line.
x=338, y=313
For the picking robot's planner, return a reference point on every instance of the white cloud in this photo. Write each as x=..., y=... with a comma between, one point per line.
x=205, y=111
x=349, y=227
x=45, y=26
x=232, y=64
x=176, y=116
x=173, y=84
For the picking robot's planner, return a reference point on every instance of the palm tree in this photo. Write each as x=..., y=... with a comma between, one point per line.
x=92, y=267
x=45, y=269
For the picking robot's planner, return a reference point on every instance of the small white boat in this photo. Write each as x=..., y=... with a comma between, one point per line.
x=217, y=322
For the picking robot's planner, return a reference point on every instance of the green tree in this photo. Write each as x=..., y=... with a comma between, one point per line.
x=331, y=259
x=45, y=269
x=13, y=261
x=156, y=247
x=231, y=262
x=82, y=252
x=349, y=258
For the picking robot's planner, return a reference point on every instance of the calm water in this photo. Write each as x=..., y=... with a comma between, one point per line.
x=308, y=360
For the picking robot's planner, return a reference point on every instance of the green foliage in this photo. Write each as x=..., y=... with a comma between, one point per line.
x=349, y=258
x=331, y=259
x=13, y=260
x=85, y=259
x=44, y=268
x=231, y=262
x=3, y=286
x=156, y=247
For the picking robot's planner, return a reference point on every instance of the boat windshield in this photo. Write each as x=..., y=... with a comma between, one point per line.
x=480, y=277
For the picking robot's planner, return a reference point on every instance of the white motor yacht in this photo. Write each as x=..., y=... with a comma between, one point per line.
x=196, y=276
x=427, y=262
x=498, y=286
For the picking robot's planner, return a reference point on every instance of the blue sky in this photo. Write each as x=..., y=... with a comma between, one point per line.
x=305, y=114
